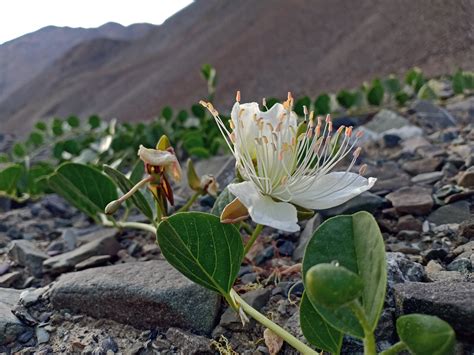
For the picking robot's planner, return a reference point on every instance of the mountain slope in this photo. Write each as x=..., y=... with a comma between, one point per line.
x=25, y=57
x=263, y=48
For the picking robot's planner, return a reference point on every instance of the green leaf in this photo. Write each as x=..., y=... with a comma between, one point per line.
x=346, y=99
x=392, y=84
x=9, y=177
x=126, y=185
x=355, y=242
x=198, y=111
x=199, y=152
x=40, y=125
x=73, y=121
x=35, y=179
x=19, y=150
x=426, y=335
x=84, y=187
x=426, y=92
x=316, y=330
x=469, y=80
x=36, y=138
x=375, y=94
x=224, y=198
x=458, y=82
x=137, y=172
x=332, y=286
x=202, y=248
x=402, y=98
x=94, y=121
x=272, y=101
x=322, y=105
x=57, y=127
x=167, y=113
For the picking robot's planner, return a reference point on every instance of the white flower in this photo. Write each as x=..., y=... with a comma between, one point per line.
x=283, y=167
x=162, y=159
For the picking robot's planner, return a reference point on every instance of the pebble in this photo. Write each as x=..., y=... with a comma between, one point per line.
x=42, y=336
x=414, y=200
x=427, y=178
x=456, y=212
x=420, y=166
x=26, y=254
x=466, y=178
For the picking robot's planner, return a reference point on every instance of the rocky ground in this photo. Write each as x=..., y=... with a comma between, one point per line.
x=69, y=286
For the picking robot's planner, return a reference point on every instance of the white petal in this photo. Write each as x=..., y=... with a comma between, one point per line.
x=276, y=112
x=265, y=211
x=333, y=189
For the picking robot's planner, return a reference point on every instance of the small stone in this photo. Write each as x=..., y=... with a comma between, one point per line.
x=409, y=223
x=449, y=300
x=189, y=343
x=285, y=247
x=4, y=267
x=249, y=278
x=26, y=254
x=109, y=344
x=9, y=279
x=104, y=245
x=456, y=212
x=466, y=178
x=432, y=115
x=385, y=120
x=93, y=261
x=427, y=178
x=420, y=166
x=30, y=297
x=412, y=200
x=412, y=144
x=435, y=254
x=311, y=225
x=391, y=140
x=42, y=336
x=70, y=239
x=26, y=336
x=466, y=229
x=408, y=235
x=462, y=265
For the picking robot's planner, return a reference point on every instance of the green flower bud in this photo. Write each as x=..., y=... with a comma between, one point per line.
x=113, y=207
x=194, y=181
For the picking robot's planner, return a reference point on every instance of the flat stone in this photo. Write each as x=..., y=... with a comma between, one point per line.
x=420, y=166
x=10, y=326
x=104, y=245
x=311, y=225
x=449, y=300
x=385, y=120
x=466, y=178
x=456, y=212
x=427, y=178
x=145, y=295
x=93, y=261
x=409, y=223
x=412, y=200
x=405, y=132
x=412, y=144
x=366, y=201
x=26, y=254
x=432, y=115
x=8, y=279
x=189, y=343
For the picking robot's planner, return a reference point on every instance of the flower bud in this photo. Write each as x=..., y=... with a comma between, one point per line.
x=193, y=179
x=112, y=207
x=164, y=143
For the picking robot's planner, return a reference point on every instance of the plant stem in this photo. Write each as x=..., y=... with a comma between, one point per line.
x=395, y=349
x=246, y=227
x=369, y=340
x=136, y=225
x=190, y=202
x=253, y=238
x=275, y=328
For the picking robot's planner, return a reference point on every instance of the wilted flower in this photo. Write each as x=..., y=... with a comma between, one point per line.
x=209, y=185
x=160, y=161
x=284, y=165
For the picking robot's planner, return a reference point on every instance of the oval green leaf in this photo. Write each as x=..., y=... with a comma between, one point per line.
x=426, y=335
x=202, y=249
x=356, y=243
x=126, y=185
x=316, y=330
x=9, y=177
x=83, y=186
x=224, y=198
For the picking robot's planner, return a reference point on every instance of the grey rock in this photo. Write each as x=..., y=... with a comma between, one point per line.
x=411, y=145
x=366, y=201
x=432, y=115
x=427, y=178
x=10, y=326
x=462, y=265
x=142, y=294
x=42, y=335
x=69, y=237
x=466, y=229
x=385, y=120
x=26, y=254
x=31, y=296
x=420, y=166
x=435, y=272
x=311, y=225
x=463, y=110
x=449, y=300
x=108, y=343
x=409, y=223
x=466, y=178
x=256, y=298
x=104, y=245
x=412, y=200
x=4, y=267
x=9, y=279
x=93, y=261
x=189, y=343
x=405, y=132
x=456, y=212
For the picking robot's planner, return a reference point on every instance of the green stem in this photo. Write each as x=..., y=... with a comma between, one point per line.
x=275, y=328
x=190, y=202
x=253, y=238
x=136, y=225
x=246, y=227
x=395, y=349
x=369, y=340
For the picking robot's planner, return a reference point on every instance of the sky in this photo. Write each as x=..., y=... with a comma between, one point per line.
x=18, y=17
